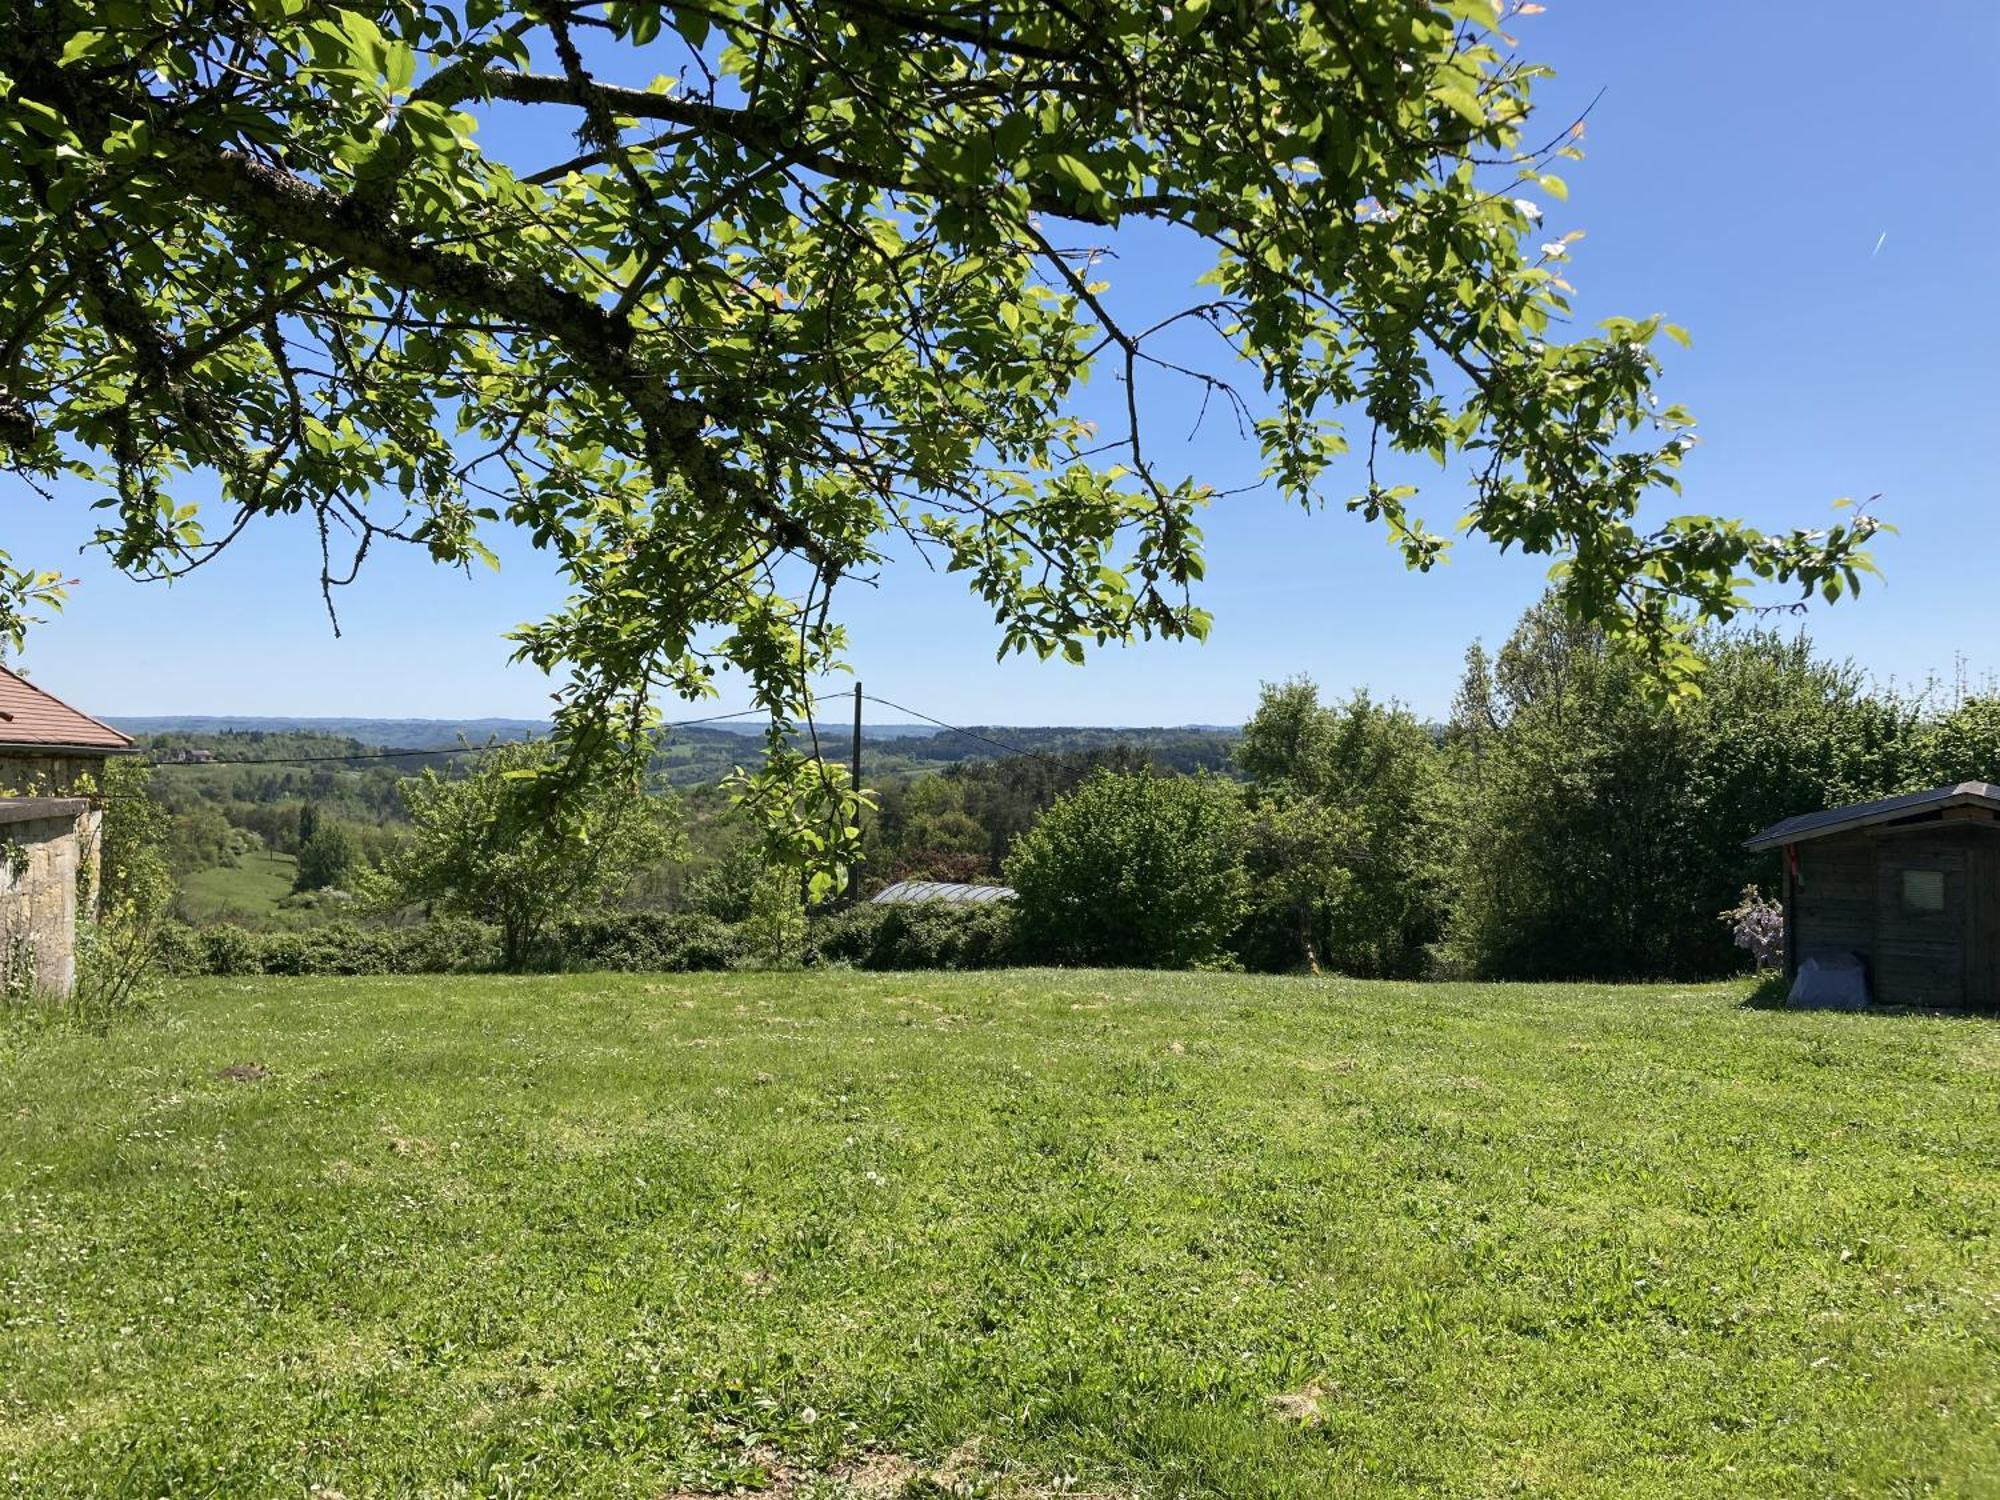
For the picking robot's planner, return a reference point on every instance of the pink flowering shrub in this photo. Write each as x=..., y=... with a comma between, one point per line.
x=1757, y=923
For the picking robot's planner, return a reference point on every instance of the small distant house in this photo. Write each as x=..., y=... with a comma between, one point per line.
x=912, y=892
x=1909, y=886
x=51, y=768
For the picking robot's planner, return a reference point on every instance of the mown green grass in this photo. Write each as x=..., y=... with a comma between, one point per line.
x=634, y=1236
x=250, y=890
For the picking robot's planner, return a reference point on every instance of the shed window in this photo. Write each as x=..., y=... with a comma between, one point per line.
x=1923, y=890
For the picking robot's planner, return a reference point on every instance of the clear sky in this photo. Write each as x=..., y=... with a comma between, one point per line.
x=1811, y=190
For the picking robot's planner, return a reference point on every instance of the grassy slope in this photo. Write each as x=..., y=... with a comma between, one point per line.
x=250, y=890
x=612, y=1235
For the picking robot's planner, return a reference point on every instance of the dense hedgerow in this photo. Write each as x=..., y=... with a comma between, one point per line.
x=648, y=942
x=440, y=947
x=932, y=936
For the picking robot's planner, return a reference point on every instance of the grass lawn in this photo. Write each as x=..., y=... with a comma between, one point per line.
x=1118, y=1234
x=249, y=891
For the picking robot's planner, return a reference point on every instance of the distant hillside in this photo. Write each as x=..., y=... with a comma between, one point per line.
x=692, y=756
x=978, y=740
x=398, y=734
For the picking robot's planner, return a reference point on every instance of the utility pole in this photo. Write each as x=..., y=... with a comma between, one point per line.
x=854, y=865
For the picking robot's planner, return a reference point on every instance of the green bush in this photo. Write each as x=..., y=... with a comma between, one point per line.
x=928, y=935
x=648, y=941
x=443, y=947
x=935, y=935
x=1137, y=870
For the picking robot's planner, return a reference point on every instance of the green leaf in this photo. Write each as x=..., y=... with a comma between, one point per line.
x=1461, y=102
x=1077, y=171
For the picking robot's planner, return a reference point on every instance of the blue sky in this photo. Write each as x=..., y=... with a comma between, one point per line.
x=1810, y=190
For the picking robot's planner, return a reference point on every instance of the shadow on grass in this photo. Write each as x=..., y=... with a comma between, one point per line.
x=1769, y=993
x=1772, y=988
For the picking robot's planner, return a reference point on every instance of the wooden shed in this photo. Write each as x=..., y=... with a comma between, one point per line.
x=1910, y=885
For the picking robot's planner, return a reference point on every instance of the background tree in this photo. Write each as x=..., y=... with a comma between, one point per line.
x=327, y=858
x=1354, y=793
x=1134, y=870
x=485, y=845
x=1962, y=743
x=1301, y=856
x=1601, y=830
x=833, y=281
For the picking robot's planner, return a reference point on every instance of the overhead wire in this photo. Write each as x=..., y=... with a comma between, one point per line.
x=379, y=755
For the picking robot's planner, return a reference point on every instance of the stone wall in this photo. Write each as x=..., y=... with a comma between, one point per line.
x=25, y=774
x=41, y=851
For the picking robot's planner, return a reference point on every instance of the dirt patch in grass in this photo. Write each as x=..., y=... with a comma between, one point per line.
x=1300, y=1407
x=244, y=1073
x=876, y=1476
x=891, y=1476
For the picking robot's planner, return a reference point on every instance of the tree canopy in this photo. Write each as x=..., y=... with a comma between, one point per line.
x=785, y=285
x=483, y=845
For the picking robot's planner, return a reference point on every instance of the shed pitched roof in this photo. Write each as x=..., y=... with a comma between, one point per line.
x=39, y=720
x=941, y=890
x=1885, y=810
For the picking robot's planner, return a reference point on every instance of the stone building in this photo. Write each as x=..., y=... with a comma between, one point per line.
x=47, y=748
x=52, y=761
x=42, y=855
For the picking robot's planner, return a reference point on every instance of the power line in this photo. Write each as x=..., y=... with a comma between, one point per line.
x=985, y=739
x=742, y=713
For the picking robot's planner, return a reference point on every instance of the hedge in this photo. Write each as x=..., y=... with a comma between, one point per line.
x=934, y=935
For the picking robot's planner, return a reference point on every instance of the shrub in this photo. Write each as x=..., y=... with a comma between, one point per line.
x=448, y=945
x=1757, y=926
x=775, y=931
x=183, y=950
x=1349, y=838
x=1134, y=869
x=124, y=891
x=445, y=947
x=666, y=942
x=497, y=843
x=230, y=950
x=927, y=935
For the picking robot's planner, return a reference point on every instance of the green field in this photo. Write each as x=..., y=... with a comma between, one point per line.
x=1020, y=1234
x=248, y=892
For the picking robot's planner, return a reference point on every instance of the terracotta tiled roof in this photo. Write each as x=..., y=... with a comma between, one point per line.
x=29, y=716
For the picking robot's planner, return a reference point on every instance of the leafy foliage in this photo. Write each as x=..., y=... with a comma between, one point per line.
x=774, y=928
x=327, y=857
x=922, y=935
x=127, y=890
x=712, y=346
x=439, y=946
x=1134, y=870
x=1603, y=829
x=487, y=845
x=1757, y=926
x=1352, y=830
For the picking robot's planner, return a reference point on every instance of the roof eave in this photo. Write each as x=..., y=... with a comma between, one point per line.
x=45, y=747
x=1776, y=836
